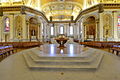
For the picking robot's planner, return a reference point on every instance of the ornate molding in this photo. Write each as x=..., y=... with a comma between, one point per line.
x=100, y=8
x=23, y=10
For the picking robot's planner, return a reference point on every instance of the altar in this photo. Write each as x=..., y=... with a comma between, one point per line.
x=61, y=40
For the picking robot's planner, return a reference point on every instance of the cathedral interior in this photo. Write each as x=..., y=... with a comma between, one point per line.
x=59, y=39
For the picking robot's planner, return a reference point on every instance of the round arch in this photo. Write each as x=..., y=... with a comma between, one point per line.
x=90, y=28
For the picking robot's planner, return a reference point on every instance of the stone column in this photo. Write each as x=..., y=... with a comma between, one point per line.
x=78, y=30
x=40, y=29
x=84, y=32
x=24, y=32
x=45, y=31
x=101, y=26
x=75, y=32
x=28, y=31
x=115, y=19
x=11, y=27
x=49, y=31
x=1, y=28
x=97, y=30
x=68, y=29
x=55, y=30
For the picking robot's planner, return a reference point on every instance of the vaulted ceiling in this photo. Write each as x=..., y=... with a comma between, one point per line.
x=61, y=10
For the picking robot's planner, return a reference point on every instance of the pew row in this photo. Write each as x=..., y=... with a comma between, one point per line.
x=100, y=44
x=22, y=44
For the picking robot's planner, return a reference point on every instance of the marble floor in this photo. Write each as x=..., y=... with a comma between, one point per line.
x=47, y=62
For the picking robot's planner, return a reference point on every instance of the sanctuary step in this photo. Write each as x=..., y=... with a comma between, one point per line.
x=35, y=61
x=58, y=58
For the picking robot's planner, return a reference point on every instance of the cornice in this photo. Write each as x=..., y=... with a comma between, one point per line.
x=61, y=22
x=23, y=10
x=100, y=8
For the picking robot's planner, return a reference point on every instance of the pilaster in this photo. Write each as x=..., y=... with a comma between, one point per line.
x=24, y=27
x=101, y=26
x=115, y=15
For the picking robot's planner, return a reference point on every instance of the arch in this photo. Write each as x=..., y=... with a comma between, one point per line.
x=90, y=28
x=33, y=28
x=87, y=16
x=5, y=29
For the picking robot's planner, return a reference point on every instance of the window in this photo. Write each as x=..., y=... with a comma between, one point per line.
x=7, y=25
x=71, y=30
x=52, y=30
x=61, y=30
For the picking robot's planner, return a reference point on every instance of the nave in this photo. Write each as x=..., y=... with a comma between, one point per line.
x=48, y=62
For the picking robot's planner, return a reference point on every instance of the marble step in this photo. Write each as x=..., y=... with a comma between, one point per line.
x=38, y=57
x=31, y=64
x=35, y=58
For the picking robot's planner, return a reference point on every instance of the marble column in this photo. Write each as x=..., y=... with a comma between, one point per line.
x=1, y=28
x=55, y=30
x=68, y=29
x=11, y=27
x=78, y=30
x=115, y=19
x=101, y=26
x=40, y=29
x=24, y=27
x=28, y=31
x=97, y=30
x=75, y=32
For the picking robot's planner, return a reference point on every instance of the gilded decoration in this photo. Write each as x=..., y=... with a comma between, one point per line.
x=18, y=27
x=107, y=26
x=62, y=10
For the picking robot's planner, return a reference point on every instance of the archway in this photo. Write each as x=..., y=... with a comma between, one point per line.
x=33, y=29
x=90, y=28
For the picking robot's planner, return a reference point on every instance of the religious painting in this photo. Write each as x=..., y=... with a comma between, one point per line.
x=7, y=25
